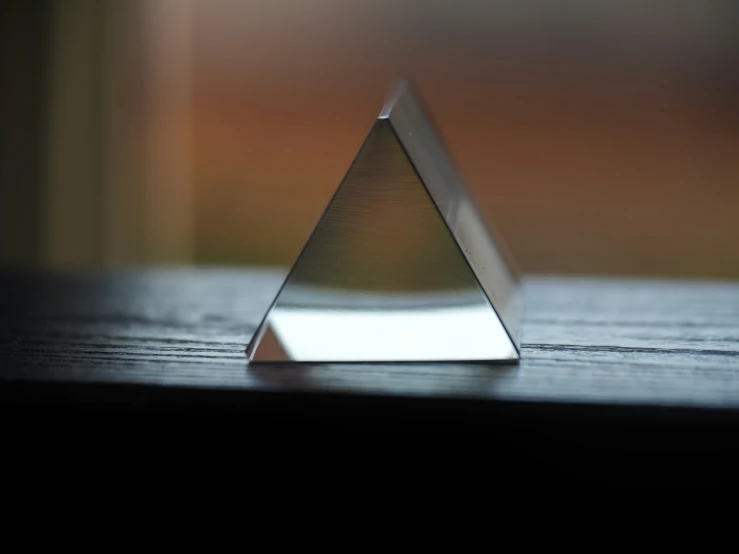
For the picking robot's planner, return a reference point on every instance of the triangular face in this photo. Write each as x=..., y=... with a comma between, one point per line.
x=383, y=278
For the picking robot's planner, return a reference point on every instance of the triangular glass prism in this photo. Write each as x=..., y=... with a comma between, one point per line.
x=400, y=267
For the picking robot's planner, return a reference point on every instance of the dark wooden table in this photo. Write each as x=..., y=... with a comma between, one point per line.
x=600, y=342
x=619, y=378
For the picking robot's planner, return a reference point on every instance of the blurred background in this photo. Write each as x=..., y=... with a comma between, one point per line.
x=597, y=137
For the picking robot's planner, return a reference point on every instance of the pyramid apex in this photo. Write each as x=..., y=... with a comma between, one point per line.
x=403, y=88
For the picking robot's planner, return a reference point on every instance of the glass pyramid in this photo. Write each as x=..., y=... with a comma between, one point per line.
x=400, y=267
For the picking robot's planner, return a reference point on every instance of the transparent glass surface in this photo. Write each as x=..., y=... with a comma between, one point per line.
x=382, y=278
x=484, y=251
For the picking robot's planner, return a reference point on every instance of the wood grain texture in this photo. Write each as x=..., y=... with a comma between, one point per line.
x=591, y=341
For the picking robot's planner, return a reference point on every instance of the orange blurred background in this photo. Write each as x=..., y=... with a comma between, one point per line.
x=597, y=137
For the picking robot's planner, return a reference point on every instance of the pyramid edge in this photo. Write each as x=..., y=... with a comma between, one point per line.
x=512, y=322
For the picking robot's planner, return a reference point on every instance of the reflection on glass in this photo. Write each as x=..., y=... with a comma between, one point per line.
x=382, y=277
